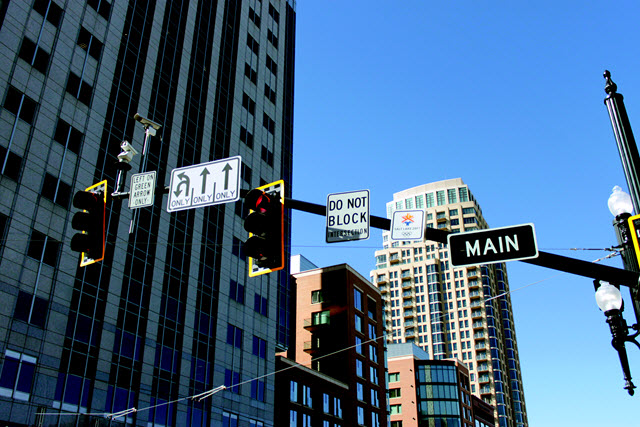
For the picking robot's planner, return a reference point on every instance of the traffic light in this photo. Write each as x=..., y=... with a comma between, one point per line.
x=90, y=222
x=265, y=221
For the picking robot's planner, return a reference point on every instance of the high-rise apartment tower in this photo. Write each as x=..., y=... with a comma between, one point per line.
x=170, y=312
x=460, y=313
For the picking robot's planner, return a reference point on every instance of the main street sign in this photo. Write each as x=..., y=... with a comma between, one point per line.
x=513, y=243
x=205, y=184
x=142, y=190
x=348, y=216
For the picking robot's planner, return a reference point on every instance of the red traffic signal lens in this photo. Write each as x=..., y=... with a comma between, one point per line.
x=257, y=200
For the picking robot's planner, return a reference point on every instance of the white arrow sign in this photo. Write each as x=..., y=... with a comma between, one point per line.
x=205, y=184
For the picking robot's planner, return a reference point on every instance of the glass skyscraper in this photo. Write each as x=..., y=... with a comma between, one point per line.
x=171, y=311
x=462, y=313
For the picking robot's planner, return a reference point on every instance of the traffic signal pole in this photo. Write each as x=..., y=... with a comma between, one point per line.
x=556, y=262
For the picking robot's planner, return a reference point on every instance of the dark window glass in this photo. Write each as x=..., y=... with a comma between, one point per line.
x=271, y=65
x=249, y=104
x=20, y=105
x=4, y=222
x=37, y=57
x=260, y=304
x=274, y=13
x=246, y=137
x=234, y=336
x=252, y=44
x=37, y=248
x=103, y=7
x=10, y=164
x=231, y=379
x=246, y=173
x=9, y=372
x=79, y=89
x=272, y=39
x=37, y=307
x=49, y=9
x=236, y=290
x=250, y=73
x=90, y=43
x=267, y=155
x=56, y=190
x=269, y=93
x=254, y=17
x=268, y=123
x=68, y=136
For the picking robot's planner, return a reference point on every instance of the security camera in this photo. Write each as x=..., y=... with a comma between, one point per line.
x=146, y=122
x=127, y=152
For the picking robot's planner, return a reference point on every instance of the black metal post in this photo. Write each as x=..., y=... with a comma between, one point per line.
x=630, y=158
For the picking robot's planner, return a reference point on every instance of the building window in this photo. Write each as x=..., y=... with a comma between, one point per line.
x=396, y=423
x=306, y=396
x=236, y=291
x=259, y=347
x=394, y=392
x=246, y=173
x=271, y=65
x=79, y=89
x=440, y=197
x=320, y=318
x=273, y=39
x=254, y=423
x=394, y=377
x=359, y=368
x=45, y=248
x=316, y=297
x=17, y=375
x=56, y=190
x=260, y=304
x=360, y=415
x=34, y=55
x=360, y=391
x=249, y=104
x=268, y=123
x=373, y=353
x=89, y=43
x=293, y=391
x=253, y=44
x=20, y=105
x=103, y=7
x=10, y=164
x=232, y=381
x=31, y=309
x=293, y=418
x=234, y=336
x=337, y=407
x=358, y=345
x=68, y=136
x=464, y=194
x=257, y=390
x=357, y=299
x=395, y=409
x=274, y=13
x=254, y=17
x=49, y=9
x=229, y=420
x=358, y=322
x=250, y=73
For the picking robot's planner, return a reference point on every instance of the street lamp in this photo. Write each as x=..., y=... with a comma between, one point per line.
x=610, y=301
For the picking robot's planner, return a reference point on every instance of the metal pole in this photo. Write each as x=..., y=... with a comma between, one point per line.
x=631, y=165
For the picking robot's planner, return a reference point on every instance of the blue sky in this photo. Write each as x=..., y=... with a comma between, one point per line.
x=509, y=97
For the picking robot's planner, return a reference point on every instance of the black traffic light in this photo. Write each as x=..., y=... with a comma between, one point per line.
x=91, y=224
x=265, y=223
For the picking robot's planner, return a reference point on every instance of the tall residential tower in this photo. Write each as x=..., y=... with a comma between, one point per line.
x=460, y=313
x=170, y=312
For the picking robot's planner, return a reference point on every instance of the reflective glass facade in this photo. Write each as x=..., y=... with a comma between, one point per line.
x=149, y=325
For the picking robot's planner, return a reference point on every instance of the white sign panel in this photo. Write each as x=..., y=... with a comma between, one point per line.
x=205, y=184
x=142, y=190
x=348, y=216
x=407, y=225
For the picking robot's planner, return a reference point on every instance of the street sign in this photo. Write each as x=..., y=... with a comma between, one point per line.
x=407, y=225
x=142, y=190
x=347, y=216
x=205, y=184
x=513, y=243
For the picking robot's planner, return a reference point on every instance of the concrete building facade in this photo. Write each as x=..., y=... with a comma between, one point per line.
x=170, y=312
x=460, y=313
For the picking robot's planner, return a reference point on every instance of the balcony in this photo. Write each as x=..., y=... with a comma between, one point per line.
x=473, y=284
x=485, y=390
x=394, y=258
x=484, y=379
x=310, y=347
x=481, y=355
x=409, y=333
x=481, y=345
x=476, y=303
x=408, y=295
x=478, y=325
x=475, y=294
x=409, y=313
x=381, y=280
x=476, y=314
x=407, y=285
x=407, y=304
x=483, y=367
x=406, y=276
x=478, y=335
x=383, y=289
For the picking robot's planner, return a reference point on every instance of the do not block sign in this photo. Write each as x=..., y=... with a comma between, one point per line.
x=348, y=216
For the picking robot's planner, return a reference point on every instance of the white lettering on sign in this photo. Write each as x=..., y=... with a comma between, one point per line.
x=509, y=243
x=347, y=216
x=142, y=189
